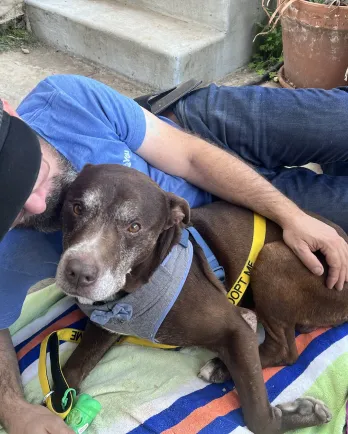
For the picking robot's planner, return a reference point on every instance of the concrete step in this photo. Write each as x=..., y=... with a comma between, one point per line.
x=150, y=47
x=214, y=13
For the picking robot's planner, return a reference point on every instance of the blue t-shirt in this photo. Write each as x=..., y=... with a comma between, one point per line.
x=87, y=122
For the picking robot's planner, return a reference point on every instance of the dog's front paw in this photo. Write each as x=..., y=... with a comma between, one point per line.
x=304, y=412
x=214, y=371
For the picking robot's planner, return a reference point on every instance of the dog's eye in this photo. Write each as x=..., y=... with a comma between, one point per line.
x=77, y=208
x=134, y=228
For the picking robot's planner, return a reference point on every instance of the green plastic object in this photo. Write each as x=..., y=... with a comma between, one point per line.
x=83, y=413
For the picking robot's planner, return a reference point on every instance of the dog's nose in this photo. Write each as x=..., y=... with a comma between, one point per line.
x=80, y=273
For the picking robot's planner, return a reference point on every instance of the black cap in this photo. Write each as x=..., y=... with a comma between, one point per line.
x=20, y=161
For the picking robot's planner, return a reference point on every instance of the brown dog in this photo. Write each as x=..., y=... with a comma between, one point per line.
x=118, y=228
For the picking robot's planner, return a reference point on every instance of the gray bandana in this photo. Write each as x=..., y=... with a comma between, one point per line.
x=141, y=313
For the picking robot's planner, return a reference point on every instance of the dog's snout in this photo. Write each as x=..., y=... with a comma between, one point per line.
x=81, y=273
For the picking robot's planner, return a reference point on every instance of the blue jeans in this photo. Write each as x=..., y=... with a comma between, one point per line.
x=272, y=128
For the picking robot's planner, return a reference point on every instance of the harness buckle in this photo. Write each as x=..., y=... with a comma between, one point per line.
x=219, y=273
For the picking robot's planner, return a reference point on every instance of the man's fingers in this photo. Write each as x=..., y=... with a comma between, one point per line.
x=309, y=259
x=333, y=276
x=339, y=270
x=339, y=284
x=343, y=271
x=60, y=428
x=307, y=235
x=346, y=258
x=56, y=425
x=336, y=268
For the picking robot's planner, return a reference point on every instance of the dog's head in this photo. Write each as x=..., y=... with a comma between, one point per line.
x=114, y=219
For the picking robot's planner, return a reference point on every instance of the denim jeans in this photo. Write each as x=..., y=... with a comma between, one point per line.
x=273, y=128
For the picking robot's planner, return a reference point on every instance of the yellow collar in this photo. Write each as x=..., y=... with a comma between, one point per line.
x=237, y=291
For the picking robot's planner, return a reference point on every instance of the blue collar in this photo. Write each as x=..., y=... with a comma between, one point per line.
x=212, y=261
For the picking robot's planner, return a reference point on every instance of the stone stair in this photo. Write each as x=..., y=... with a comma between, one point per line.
x=157, y=42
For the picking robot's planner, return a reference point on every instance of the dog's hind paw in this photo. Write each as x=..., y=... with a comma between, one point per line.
x=304, y=412
x=214, y=371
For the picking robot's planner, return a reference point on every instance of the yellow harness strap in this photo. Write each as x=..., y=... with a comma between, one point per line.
x=237, y=291
x=144, y=343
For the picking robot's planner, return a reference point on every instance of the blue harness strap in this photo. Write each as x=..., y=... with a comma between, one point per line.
x=212, y=261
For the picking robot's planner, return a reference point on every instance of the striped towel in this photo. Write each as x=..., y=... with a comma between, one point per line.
x=144, y=390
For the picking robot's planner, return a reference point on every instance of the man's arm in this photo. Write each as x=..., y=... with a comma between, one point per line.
x=229, y=178
x=16, y=415
x=10, y=382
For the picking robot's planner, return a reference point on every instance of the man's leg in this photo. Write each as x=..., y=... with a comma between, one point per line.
x=340, y=168
x=322, y=194
x=270, y=127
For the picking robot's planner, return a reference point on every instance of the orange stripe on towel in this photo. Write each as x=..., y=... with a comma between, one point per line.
x=203, y=416
x=302, y=342
x=66, y=321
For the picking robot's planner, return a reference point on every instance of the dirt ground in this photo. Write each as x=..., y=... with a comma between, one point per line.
x=20, y=72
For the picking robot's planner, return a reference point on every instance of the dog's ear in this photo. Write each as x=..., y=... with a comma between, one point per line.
x=179, y=211
x=86, y=166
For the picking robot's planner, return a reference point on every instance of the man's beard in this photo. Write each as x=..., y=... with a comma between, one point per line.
x=49, y=221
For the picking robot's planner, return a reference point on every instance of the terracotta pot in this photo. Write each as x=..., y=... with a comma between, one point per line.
x=282, y=80
x=315, y=44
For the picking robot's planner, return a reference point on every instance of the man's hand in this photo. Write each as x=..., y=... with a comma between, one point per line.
x=305, y=234
x=17, y=416
x=26, y=418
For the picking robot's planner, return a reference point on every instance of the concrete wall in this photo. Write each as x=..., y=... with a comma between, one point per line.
x=219, y=14
x=10, y=9
x=207, y=39
x=214, y=13
x=238, y=44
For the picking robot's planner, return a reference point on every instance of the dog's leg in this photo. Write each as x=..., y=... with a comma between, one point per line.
x=239, y=352
x=219, y=326
x=237, y=346
x=279, y=347
x=303, y=329
x=215, y=370
x=94, y=344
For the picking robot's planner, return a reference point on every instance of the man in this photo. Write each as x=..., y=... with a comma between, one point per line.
x=82, y=121
x=23, y=175
x=15, y=190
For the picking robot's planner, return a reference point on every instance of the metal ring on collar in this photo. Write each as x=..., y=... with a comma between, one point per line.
x=47, y=396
